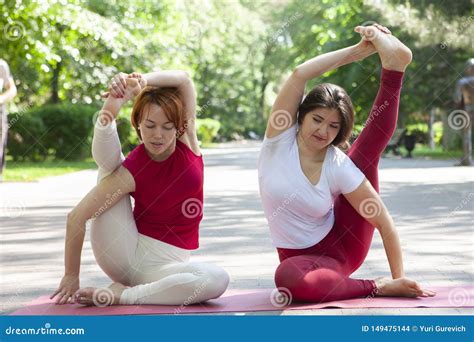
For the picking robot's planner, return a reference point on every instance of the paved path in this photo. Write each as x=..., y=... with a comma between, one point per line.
x=431, y=203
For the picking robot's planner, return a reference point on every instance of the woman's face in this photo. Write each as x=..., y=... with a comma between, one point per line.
x=320, y=127
x=158, y=133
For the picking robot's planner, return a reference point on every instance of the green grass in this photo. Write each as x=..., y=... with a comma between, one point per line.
x=423, y=151
x=209, y=145
x=29, y=171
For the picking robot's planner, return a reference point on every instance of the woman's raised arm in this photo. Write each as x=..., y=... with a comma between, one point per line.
x=284, y=110
x=181, y=80
x=167, y=78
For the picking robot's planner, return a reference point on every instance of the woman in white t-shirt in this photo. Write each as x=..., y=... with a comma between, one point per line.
x=321, y=204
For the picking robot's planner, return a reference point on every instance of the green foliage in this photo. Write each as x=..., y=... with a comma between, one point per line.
x=237, y=52
x=357, y=129
x=128, y=137
x=68, y=50
x=438, y=133
x=207, y=129
x=420, y=130
x=23, y=135
x=59, y=131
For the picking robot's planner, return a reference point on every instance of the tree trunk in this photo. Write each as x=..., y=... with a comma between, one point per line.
x=55, y=83
x=431, y=142
x=467, y=142
x=263, y=87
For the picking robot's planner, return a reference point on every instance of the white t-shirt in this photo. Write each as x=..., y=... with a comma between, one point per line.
x=4, y=82
x=299, y=213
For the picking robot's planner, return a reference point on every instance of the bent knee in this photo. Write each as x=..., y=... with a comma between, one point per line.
x=290, y=278
x=294, y=279
x=216, y=281
x=288, y=275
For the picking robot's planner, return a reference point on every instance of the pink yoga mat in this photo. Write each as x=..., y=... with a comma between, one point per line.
x=257, y=300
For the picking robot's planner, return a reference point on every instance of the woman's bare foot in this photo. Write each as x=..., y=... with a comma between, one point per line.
x=393, y=53
x=401, y=287
x=92, y=296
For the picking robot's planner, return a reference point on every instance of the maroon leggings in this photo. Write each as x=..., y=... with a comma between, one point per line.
x=321, y=273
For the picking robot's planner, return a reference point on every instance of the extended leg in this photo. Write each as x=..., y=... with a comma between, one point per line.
x=366, y=151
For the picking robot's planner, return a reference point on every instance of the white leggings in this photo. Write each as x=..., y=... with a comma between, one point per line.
x=158, y=273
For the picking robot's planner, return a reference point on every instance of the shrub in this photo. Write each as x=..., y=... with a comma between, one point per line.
x=207, y=129
x=25, y=128
x=60, y=131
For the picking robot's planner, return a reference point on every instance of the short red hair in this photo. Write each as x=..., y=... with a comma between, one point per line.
x=167, y=98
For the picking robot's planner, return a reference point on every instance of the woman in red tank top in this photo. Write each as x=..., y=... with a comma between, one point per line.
x=146, y=253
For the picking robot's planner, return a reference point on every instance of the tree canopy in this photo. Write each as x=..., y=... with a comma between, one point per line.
x=237, y=52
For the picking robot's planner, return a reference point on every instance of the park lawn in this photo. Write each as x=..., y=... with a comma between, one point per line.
x=30, y=171
x=423, y=151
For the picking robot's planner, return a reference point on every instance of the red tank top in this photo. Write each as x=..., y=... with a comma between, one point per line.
x=168, y=195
